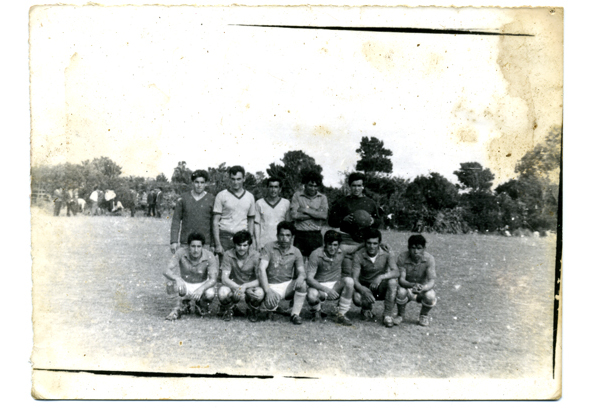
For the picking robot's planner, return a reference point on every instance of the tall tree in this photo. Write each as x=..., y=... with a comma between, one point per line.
x=473, y=176
x=181, y=174
x=373, y=156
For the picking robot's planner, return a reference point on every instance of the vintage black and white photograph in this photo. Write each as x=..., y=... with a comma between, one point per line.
x=296, y=202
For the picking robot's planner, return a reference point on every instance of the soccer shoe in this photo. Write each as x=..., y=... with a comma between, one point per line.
x=424, y=320
x=239, y=313
x=366, y=315
x=185, y=307
x=227, y=315
x=201, y=311
x=252, y=314
x=270, y=316
x=397, y=320
x=317, y=317
x=342, y=319
x=174, y=315
x=388, y=322
x=296, y=320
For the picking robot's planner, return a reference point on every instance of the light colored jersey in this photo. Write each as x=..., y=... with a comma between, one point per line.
x=234, y=210
x=268, y=217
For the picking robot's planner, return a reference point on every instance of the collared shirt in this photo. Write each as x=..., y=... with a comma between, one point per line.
x=281, y=263
x=234, y=210
x=193, y=271
x=317, y=202
x=369, y=270
x=268, y=216
x=240, y=271
x=415, y=271
x=326, y=269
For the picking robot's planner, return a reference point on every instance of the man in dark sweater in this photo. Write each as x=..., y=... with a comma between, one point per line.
x=341, y=216
x=151, y=203
x=193, y=212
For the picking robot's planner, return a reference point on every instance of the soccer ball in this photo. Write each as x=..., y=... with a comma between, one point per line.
x=362, y=218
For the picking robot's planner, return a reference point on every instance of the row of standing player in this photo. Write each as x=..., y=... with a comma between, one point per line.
x=234, y=210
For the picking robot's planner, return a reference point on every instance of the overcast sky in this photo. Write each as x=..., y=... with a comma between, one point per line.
x=149, y=87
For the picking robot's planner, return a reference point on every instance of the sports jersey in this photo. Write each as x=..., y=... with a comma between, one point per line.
x=268, y=216
x=317, y=202
x=281, y=263
x=192, y=215
x=234, y=210
x=244, y=273
x=327, y=269
x=348, y=205
x=415, y=271
x=193, y=271
x=369, y=270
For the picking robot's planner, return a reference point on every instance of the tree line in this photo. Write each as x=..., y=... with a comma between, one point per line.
x=426, y=203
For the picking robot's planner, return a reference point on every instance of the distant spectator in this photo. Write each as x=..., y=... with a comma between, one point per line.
x=151, y=203
x=159, y=201
x=144, y=201
x=95, y=198
x=57, y=198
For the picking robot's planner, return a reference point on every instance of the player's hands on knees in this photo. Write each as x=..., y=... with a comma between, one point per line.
x=180, y=287
x=417, y=289
x=197, y=295
x=375, y=284
x=270, y=298
x=368, y=295
x=298, y=283
x=173, y=247
x=332, y=294
x=240, y=291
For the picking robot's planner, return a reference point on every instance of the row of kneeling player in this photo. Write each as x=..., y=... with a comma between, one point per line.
x=362, y=273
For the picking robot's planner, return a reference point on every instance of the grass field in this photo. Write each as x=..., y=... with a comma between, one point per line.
x=100, y=302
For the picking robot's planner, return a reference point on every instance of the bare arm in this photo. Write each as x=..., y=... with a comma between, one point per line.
x=213, y=272
x=251, y=228
x=429, y=276
x=215, y=231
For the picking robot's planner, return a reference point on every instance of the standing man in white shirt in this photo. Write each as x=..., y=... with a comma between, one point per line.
x=270, y=211
x=234, y=210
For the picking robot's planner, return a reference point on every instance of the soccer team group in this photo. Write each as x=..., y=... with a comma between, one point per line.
x=232, y=248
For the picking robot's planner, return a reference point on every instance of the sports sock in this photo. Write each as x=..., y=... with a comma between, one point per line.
x=298, y=302
x=425, y=309
x=401, y=309
x=344, y=305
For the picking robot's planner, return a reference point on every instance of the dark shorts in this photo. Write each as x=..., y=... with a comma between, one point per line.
x=379, y=294
x=226, y=239
x=308, y=241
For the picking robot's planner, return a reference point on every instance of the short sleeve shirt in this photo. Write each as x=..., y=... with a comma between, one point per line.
x=240, y=271
x=415, y=271
x=268, y=216
x=281, y=263
x=234, y=210
x=369, y=270
x=318, y=202
x=327, y=269
x=193, y=271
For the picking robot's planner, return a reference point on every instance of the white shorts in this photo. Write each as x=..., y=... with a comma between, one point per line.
x=191, y=287
x=280, y=288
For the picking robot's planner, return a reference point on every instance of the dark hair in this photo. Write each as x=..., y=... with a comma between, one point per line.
x=199, y=174
x=416, y=240
x=311, y=176
x=242, y=236
x=371, y=233
x=331, y=236
x=234, y=170
x=273, y=179
x=196, y=236
x=354, y=176
x=286, y=226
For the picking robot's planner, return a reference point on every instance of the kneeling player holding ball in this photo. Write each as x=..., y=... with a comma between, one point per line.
x=238, y=274
x=192, y=274
x=417, y=278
